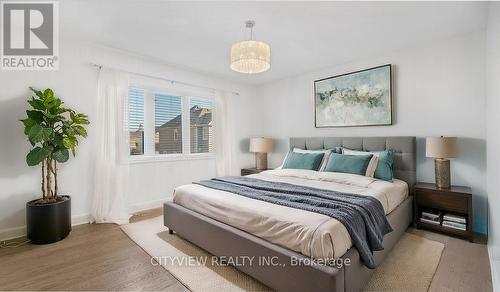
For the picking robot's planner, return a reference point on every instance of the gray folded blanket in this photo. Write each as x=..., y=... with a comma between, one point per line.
x=363, y=216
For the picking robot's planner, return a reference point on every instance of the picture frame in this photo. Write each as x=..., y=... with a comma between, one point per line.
x=355, y=99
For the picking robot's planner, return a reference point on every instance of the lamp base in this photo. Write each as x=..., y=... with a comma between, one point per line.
x=442, y=173
x=261, y=161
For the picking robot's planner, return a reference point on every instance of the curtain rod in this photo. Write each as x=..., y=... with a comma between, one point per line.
x=164, y=79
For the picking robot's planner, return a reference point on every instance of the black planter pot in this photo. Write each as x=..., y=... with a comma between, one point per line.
x=48, y=223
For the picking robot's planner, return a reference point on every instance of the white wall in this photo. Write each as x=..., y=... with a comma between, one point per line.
x=438, y=89
x=76, y=84
x=493, y=137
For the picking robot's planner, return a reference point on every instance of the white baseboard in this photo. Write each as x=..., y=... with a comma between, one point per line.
x=80, y=219
x=11, y=233
x=147, y=205
x=495, y=268
x=20, y=231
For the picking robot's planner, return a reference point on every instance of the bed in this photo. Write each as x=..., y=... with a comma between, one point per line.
x=226, y=224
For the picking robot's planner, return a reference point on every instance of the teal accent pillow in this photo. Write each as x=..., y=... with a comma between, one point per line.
x=311, y=161
x=384, y=166
x=355, y=164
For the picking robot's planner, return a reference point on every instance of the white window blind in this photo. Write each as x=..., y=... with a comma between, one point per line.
x=136, y=120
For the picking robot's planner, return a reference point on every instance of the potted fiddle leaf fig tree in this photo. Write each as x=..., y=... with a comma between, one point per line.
x=53, y=131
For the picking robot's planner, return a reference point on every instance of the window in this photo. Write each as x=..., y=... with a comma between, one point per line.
x=136, y=120
x=168, y=124
x=200, y=111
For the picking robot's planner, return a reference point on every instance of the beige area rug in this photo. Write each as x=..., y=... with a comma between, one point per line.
x=409, y=267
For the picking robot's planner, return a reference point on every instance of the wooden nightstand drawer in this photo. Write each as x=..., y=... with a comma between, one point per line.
x=443, y=201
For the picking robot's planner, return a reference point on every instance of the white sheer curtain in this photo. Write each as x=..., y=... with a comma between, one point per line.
x=224, y=134
x=111, y=165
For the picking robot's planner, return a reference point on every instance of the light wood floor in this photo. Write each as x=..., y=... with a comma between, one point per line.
x=464, y=266
x=102, y=257
x=92, y=257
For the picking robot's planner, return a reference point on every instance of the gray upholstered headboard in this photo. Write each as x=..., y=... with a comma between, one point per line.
x=405, y=166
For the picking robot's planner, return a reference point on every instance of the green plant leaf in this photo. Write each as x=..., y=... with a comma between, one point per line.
x=80, y=131
x=38, y=133
x=57, y=141
x=37, y=92
x=57, y=103
x=48, y=93
x=68, y=130
x=61, y=155
x=36, y=104
x=69, y=142
x=61, y=110
x=38, y=154
x=79, y=118
x=35, y=115
x=52, y=103
x=48, y=98
x=28, y=123
x=49, y=115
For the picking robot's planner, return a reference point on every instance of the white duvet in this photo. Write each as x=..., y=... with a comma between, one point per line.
x=306, y=232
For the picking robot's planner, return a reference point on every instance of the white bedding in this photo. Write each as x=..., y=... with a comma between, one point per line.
x=308, y=233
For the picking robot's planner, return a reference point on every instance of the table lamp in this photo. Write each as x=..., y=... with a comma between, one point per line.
x=261, y=146
x=442, y=148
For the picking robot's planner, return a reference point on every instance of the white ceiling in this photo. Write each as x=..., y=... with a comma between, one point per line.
x=303, y=36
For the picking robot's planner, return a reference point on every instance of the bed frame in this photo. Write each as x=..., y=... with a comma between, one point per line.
x=223, y=240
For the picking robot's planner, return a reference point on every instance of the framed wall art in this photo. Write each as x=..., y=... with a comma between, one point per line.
x=361, y=98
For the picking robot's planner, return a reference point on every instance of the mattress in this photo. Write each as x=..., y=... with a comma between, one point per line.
x=311, y=234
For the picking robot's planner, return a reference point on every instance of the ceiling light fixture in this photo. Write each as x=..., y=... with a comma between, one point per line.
x=250, y=57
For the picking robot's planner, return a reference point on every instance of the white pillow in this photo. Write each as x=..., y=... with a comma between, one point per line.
x=324, y=161
x=372, y=166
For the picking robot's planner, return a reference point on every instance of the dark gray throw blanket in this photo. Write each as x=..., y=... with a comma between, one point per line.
x=363, y=216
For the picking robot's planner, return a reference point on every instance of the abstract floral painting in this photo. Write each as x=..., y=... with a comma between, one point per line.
x=361, y=98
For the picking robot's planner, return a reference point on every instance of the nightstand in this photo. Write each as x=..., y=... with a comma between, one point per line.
x=248, y=171
x=456, y=200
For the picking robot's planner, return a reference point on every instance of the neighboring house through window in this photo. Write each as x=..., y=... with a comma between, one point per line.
x=176, y=134
x=168, y=121
x=200, y=124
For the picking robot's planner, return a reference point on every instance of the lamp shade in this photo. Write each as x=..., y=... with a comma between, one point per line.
x=250, y=57
x=261, y=145
x=441, y=147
